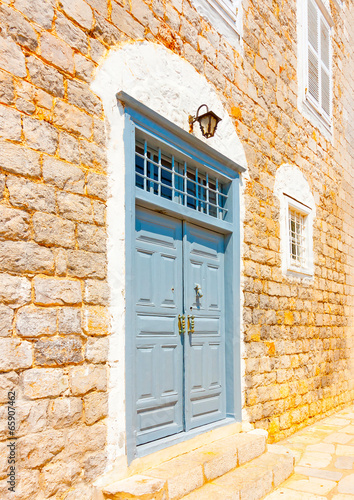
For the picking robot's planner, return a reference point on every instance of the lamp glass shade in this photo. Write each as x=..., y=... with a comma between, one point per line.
x=208, y=123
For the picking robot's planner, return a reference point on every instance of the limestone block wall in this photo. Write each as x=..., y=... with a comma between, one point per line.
x=54, y=321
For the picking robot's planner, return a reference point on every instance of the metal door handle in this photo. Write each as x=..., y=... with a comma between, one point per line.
x=190, y=324
x=198, y=291
x=181, y=324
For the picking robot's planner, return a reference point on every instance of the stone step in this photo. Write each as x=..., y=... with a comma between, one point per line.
x=251, y=481
x=178, y=477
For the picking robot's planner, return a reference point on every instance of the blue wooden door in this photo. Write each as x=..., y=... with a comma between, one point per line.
x=159, y=352
x=205, y=341
x=179, y=378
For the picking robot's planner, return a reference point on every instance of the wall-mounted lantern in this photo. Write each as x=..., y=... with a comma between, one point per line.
x=208, y=122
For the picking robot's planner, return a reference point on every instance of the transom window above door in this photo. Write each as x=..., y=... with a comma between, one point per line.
x=168, y=175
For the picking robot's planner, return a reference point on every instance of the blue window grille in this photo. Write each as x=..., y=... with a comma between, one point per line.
x=163, y=174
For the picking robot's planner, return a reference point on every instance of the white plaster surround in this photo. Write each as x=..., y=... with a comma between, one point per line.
x=171, y=87
x=290, y=181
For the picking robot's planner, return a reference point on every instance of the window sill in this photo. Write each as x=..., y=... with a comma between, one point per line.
x=297, y=272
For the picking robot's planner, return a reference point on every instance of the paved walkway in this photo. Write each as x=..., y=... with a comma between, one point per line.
x=324, y=455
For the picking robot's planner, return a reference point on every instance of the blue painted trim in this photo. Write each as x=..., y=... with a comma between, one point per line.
x=151, y=200
x=233, y=308
x=129, y=152
x=230, y=227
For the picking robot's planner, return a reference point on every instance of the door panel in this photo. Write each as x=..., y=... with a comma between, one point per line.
x=158, y=356
x=205, y=347
x=179, y=379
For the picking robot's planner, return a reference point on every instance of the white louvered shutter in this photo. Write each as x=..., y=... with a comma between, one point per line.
x=325, y=68
x=318, y=59
x=313, y=49
x=229, y=6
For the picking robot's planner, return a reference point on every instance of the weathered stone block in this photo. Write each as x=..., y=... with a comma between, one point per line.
x=27, y=194
x=57, y=291
x=14, y=224
x=97, y=350
x=91, y=238
x=27, y=485
x=40, y=383
x=69, y=148
x=60, y=262
x=86, y=264
x=79, y=11
x=136, y=486
x=93, y=156
x=250, y=446
x=14, y=290
x=63, y=175
x=57, y=52
x=182, y=474
x=2, y=186
x=14, y=354
x=96, y=407
x=120, y=17
x=69, y=320
x=84, y=67
x=19, y=256
x=40, y=135
x=35, y=450
x=81, y=96
x=80, y=491
x=45, y=77
x=52, y=230
x=11, y=57
x=99, y=212
x=72, y=119
x=95, y=465
x=99, y=131
x=25, y=106
x=7, y=93
x=96, y=320
x=85, y=378
x=96, y=185
x=19, y=28
x=41, y=11
x=34, y=321
x=70, y=33
x=18, y=160
x=97, y=292
x=10, y=123
x=31, y=417
x=64, y=412
x=6, y=317
x=8, y=382
x=58, y=351
x=4, y=451
x=75, y=207
x=58, y=476
x=83, y=439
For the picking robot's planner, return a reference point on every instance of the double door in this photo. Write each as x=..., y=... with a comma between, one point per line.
x=179, y=334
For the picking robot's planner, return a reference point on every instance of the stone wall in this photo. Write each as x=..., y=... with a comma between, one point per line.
x=53, y=188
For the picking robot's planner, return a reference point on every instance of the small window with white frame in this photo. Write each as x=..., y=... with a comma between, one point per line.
x=296, y=219
x=315, y=60
x=299, y=248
